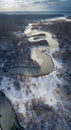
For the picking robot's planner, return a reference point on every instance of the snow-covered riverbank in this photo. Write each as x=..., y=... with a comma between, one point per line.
x=40, y=103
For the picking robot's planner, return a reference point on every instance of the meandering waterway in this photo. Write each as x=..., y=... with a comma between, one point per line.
x=45, y=62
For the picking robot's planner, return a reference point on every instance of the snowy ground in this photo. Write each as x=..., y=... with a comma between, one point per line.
x=40, y=103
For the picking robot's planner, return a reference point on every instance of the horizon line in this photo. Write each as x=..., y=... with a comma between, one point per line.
x=34, y=11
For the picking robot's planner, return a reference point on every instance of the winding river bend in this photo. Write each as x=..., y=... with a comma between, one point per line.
x=45, y=62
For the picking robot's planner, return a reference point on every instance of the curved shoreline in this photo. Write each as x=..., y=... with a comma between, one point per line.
x=27, y=71
x=44, y=68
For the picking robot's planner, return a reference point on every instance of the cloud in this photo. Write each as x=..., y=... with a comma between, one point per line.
x=36, y=4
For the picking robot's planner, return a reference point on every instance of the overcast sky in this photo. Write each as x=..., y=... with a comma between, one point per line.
x=35, y=5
